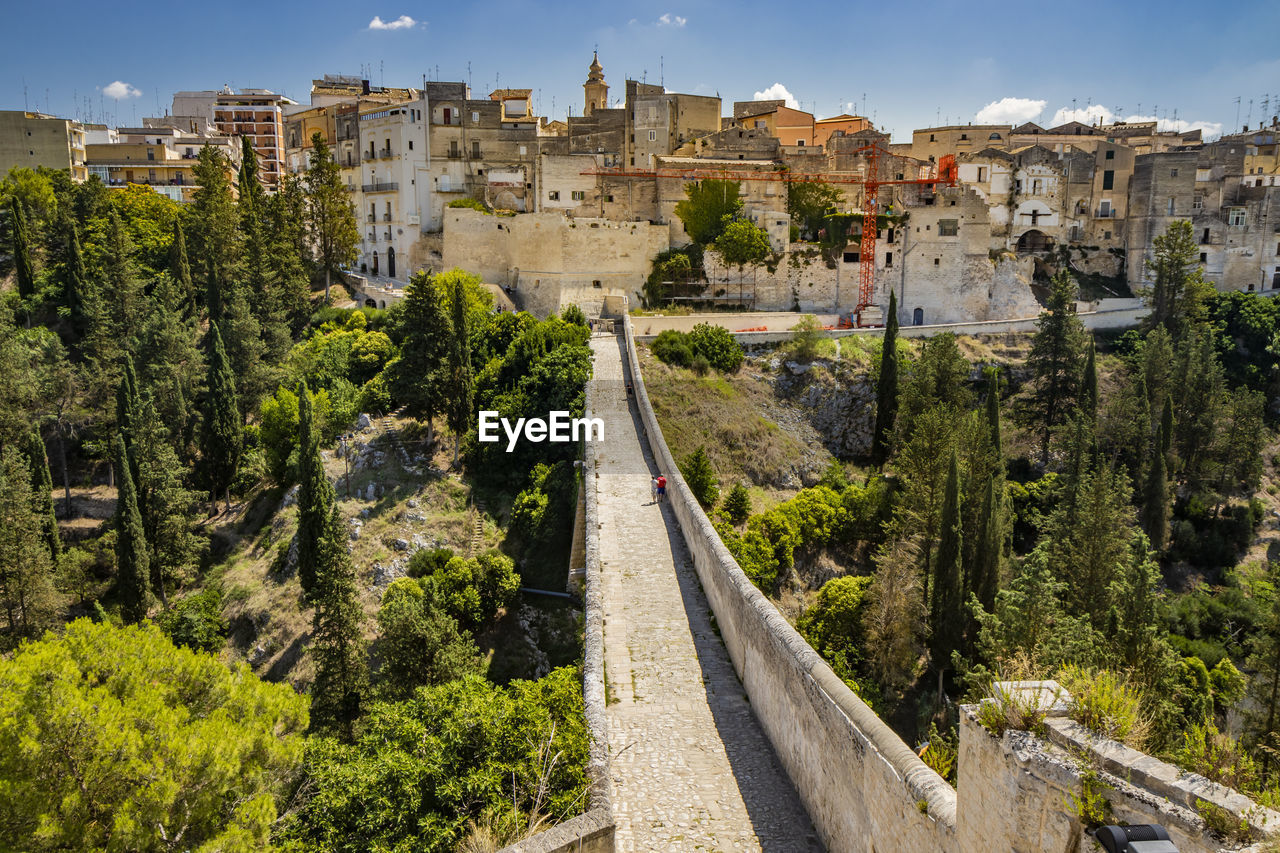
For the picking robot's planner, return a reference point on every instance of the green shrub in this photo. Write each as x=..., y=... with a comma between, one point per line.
x=672, y=347
x=804, y=341
x=474, y=204
x=700, y=366
x=573, y=314
x=196, y=621
x=701, y=478
x=1104, y=702
x=717, y=345
x=427, y=562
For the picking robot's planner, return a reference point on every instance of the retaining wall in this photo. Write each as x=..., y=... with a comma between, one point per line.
x=591, y=832
x=862, y=786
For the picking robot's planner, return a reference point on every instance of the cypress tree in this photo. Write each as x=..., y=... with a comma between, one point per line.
x=986, y=574
x=27, y=597
x=22, y=260
x=993, y=414
x=133, y=569
x=946, y=617
x=128, y=415
x=886, y=386
x=338, y=646
x=42, y=492
x=179, y=266
x=213, y=302
x=1089, y=385
x=315, y=493
x=416, y=375
x=1055, y=360
x=222, y=438
x=1166, y=425
x=460, y=407
x=1155, y=496
x=76, y=289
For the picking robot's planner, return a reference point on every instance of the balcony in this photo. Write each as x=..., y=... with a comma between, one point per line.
x=385, y=154
x=373, y=236
x=388, y=187
x=1104, y=213
x=386, y=217
x=454, y=154
x=372, y=218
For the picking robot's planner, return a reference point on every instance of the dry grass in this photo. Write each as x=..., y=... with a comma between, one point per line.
x=723, y=414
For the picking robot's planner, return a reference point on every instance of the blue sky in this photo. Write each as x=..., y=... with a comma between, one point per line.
x=916, y=63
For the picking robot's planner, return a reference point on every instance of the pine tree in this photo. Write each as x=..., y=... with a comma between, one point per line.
x=700, y=477
x=1055, y=360
x=171, y=365
x=250, y=185
x=331, y=219
x=1166, y=425
x=315, y=493
x=133, y=567
x=23, y=260
x=1089, y=540
x=214, y=221
x=460, y=391
x=886, y=386
x=737, y=504
x=179, y=266
x=222, y=437
x=26, y=569
x=1155, y=496
x=1178, y=292
x=122, y=294
x=946, y=618
x=42, y=493
x=1089, y=385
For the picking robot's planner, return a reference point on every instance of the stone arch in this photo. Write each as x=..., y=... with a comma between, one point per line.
x=1034, y=240
x=370, y=303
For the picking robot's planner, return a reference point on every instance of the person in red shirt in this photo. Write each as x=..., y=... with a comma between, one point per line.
x=662, y=486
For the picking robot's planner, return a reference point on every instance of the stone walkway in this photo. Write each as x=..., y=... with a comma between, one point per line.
x=692, y=769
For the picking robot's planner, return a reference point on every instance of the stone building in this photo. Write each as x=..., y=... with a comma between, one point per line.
x=163, y=158
x=254, y=113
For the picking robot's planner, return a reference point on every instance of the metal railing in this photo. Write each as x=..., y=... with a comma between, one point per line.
x=1109, y=213
x=386, y=217
x=384, y=154
x=387, y=187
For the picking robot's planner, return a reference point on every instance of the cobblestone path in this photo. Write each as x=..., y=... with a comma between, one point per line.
x=691, y=767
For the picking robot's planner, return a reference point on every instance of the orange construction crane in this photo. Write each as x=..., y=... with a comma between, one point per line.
x=946, y=175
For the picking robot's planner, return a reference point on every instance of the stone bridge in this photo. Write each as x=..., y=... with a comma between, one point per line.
x=716, y=727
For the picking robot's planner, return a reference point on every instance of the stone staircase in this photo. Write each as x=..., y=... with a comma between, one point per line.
x=476, y=543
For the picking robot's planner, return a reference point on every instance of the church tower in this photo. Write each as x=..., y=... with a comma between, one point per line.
x=596, y=90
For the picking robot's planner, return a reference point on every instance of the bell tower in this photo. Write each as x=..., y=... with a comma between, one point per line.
x=595, y=89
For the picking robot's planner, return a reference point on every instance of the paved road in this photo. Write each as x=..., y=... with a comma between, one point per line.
x=692, y=769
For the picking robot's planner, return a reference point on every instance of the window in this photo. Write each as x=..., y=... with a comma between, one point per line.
x=1035, y=187
x=982, y=174
x=1169, y=208
x=1237, y=216
x=1108, y=180
x=554, y=195
x=475, y=118
x=888, y=260
x=937, y=261
x=931, y=139
x=523, y=150
x=1205, y=237
x=578, y=195
x=917, y=316
x=761, y=124
x=653, y=136
x=964, y=136
x=799, y=143
x=410, y=144
x=948, y=227
x=445, y=185
x=850, y=257
x=595, y=282
x=1204, y=257
x=1173, y=173
x=1106, y=235
x=1197, y=202
x=1111, y=154
x=151, y=154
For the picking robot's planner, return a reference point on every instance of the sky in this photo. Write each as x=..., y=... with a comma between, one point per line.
x=905, y=64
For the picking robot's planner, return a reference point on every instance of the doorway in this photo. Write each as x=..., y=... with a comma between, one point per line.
x=391, y=262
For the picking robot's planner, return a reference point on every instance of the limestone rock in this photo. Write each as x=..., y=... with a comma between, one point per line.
x=364, y=422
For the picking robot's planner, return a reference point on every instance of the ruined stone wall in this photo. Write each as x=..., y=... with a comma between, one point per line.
x=550, y=260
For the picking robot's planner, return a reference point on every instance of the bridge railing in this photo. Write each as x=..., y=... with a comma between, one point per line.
x=856, y=777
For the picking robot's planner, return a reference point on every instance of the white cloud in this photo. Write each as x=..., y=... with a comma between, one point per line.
x=670, y=20
x=1094, y=113
x=777, y=92
x=1102, y=115
x=404, y=22
x=1009, y=111
x=120, y=89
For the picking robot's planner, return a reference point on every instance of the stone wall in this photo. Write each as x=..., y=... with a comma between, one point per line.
x=591, y=832
x=863, y=787
x=551, y=260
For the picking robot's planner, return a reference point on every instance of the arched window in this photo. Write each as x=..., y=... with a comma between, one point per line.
x=917, y=317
